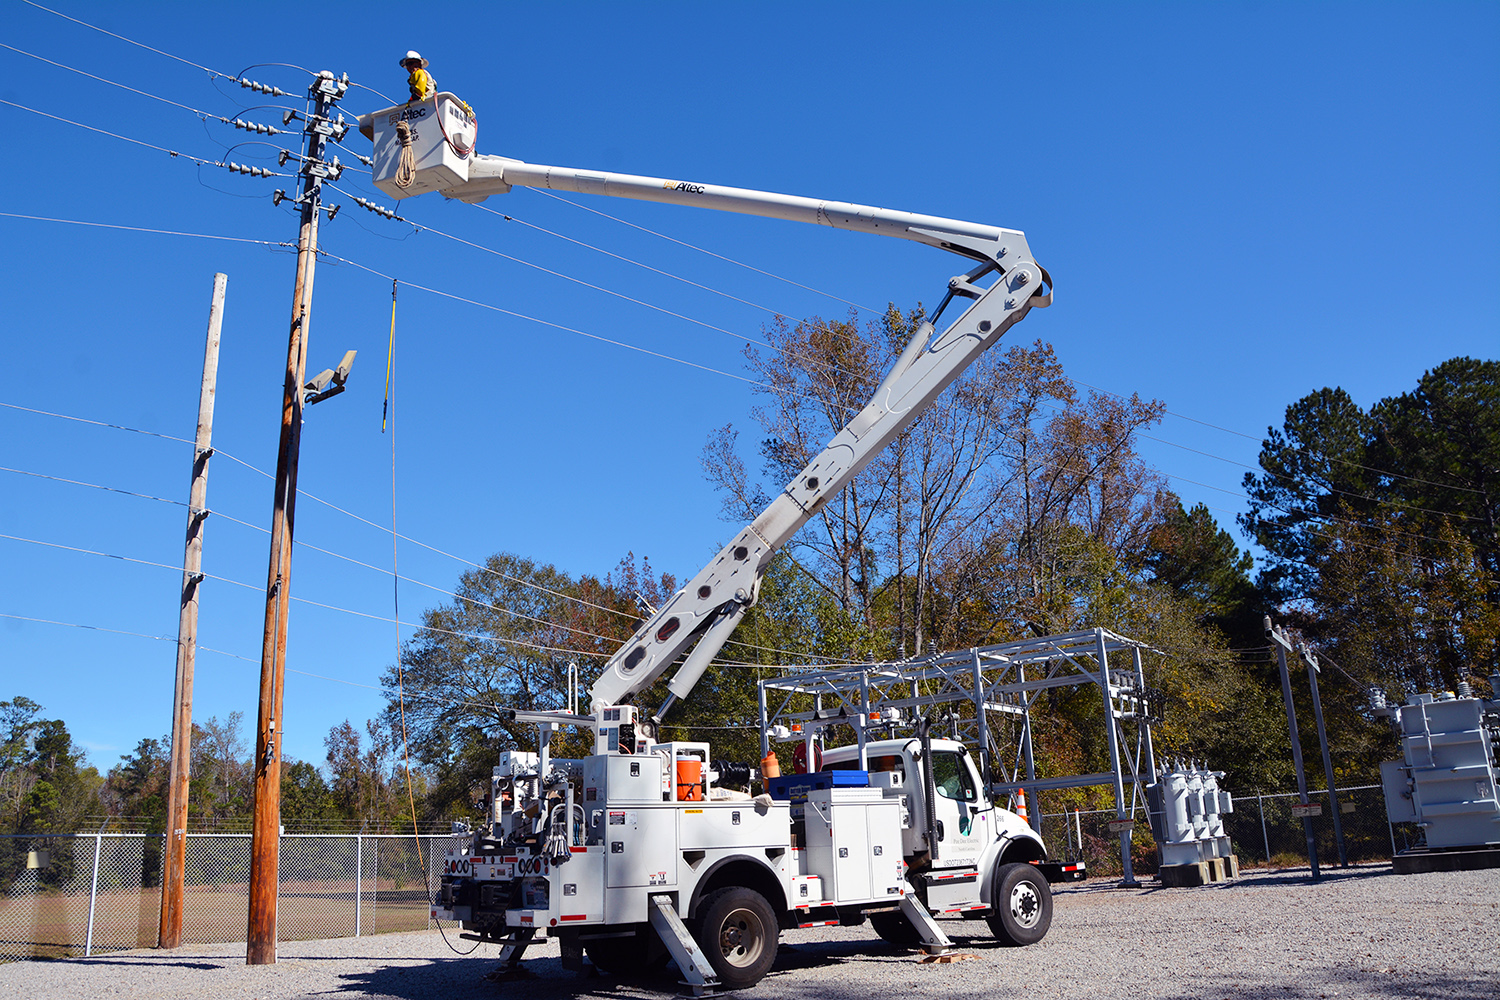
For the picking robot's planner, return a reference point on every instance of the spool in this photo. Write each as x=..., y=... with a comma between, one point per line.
x=689, y=780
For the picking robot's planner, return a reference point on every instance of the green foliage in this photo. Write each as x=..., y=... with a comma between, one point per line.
x=1382, y=526
x=45, y=782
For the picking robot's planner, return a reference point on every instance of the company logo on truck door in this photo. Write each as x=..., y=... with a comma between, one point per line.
x=683, y=186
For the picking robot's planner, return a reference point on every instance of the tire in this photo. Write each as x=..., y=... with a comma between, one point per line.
x=630, y=955
x=1021, y=905
x=893, y=927
x=737, y=931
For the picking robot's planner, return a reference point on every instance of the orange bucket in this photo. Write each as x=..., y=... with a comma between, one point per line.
x=689, y=780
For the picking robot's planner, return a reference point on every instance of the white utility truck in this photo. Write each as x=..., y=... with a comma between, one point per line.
x=640, y=851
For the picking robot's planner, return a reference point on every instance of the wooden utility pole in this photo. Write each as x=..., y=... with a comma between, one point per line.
x=265, y=841
x=169, y=930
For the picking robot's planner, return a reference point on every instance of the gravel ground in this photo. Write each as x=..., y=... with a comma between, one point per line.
x=1361, y=932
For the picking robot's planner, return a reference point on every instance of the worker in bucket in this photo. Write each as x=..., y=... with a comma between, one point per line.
x=420, y=82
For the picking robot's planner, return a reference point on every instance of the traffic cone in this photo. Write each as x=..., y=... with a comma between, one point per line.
x=1021, y=804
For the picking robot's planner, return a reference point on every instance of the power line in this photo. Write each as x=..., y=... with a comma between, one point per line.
x=112, y=83
x=469, y=600
x=634, y=226
x=260, y=171
x=92, y=486
x=96, y=423
x=630, y=260
x=211, y=72
x=146, y=229
x=237, y=656
x=548, y=323
x=690, y=246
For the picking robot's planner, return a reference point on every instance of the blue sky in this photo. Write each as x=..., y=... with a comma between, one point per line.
x=1239, y=202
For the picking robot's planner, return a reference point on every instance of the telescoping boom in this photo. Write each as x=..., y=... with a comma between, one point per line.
x=696, y=622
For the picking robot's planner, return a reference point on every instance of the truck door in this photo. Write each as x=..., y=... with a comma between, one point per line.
x=963, y=815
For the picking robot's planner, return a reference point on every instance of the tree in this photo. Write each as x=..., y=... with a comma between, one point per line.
x=306, y=803
x=504, y=643
x=46, y=785
x=222, y=777
x=1382, y=525
x=1441, y=446
x=820, y=374
x=1314, y=468
x=1190, y=555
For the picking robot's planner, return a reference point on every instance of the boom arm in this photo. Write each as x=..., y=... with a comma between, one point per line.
x=699, y=618
x=714, y=601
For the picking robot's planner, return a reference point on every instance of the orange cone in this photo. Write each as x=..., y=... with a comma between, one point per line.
x=1021, y=804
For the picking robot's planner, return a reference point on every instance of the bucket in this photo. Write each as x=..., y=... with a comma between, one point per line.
x=689, y=780
x=770, y=767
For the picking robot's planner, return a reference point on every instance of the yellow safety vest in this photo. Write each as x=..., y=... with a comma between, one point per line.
x=421, y=84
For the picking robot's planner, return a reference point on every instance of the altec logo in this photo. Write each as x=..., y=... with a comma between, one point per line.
x=683, y=186
x=407, y=115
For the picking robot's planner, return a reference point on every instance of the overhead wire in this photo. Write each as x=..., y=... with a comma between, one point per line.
x=160, y=52
x=562, y=327
x=762, y=343
x=134, y=90
x=397, y=578
x=710, y=253
x=567, y=201
x=484, y=636
x=149, y=145
x=458, y=702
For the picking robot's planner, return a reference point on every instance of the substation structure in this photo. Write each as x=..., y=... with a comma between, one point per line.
x=989, y=692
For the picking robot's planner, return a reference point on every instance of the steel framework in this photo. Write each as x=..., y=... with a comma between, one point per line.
x=983, y=686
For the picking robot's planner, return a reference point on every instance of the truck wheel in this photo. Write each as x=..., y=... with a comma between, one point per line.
x=1021, y=905
x=896, y=929
x=737, y=931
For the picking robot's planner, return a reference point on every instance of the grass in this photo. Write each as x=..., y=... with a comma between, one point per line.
x=48, y=924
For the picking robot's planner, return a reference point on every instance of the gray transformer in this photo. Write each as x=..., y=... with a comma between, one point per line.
x=1446, y=783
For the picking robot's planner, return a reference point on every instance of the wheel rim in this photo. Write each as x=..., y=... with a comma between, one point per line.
x=741, y=937
x=1025, y=904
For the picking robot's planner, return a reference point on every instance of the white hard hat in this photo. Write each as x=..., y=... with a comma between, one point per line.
x=413, y=55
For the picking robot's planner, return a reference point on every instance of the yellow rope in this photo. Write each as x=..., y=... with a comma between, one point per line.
x=390, y=353
x=411, y=798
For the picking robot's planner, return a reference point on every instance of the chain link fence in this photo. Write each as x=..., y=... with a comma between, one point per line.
x=64, y=895
x=1261, y=829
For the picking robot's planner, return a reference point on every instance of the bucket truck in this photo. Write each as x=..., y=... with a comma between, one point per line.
x=640, y=852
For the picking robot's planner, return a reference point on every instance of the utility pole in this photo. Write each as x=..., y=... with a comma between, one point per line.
x=169, y=930
x=1306, y=809
x=265, y=841
x=1333, y=793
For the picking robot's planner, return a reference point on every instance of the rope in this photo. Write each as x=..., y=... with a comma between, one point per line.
x=406, y=168
x=390, y=353
x=396, y=614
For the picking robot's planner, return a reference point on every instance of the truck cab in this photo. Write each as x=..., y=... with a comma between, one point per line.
x=963, y=853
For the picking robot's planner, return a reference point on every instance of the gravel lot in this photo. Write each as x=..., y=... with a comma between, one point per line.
x=1361, y=932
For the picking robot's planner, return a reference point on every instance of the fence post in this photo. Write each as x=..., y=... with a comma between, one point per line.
x=88, y=940
x=1260, y=803
x=359, y=875
x=427, y=872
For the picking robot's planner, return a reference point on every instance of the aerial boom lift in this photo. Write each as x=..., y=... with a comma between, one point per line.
x=699, y=619
x=599, y=850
